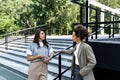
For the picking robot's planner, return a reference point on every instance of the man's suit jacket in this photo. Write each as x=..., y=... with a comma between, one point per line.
x=86, y=59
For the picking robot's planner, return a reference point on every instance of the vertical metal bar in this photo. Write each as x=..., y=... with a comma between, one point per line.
x=6, y=42
x=96, y=25
x=113, y=26
x=81, y=13
x=25, y=38
x=87, y=17
x=109, y=31
x=59, y=66
x=25, y=35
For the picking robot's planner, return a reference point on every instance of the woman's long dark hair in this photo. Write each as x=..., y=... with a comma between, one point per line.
x=36, y=38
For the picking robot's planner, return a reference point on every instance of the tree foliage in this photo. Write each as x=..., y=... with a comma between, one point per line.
x=10, y=15
x=58, y=15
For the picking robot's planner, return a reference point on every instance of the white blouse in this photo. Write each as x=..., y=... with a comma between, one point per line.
x=76, y=52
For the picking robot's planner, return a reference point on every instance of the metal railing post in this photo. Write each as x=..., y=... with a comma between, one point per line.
x=59, y=66
x=87, y=17
x=96, y=24
x=113, y=27
x=25, y=38
x=81, y=13
x=60, y=73
x=109, y=30
x=6, y=42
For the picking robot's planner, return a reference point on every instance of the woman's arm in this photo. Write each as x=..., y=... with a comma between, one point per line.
x=69, y=51
x=30, y=57
x=51, y=55
x=49, y=58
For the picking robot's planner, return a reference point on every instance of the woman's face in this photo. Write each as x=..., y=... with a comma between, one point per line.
x=74, y=37
x=42, y=35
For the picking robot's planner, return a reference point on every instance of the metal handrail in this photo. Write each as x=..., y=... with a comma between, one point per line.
x=96, y=23
x=25, y=35
x=59, y=52
x=21, y=30
x=61, y=73
x=99, y=30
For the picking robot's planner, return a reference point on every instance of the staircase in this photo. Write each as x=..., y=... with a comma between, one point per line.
x=14, y=66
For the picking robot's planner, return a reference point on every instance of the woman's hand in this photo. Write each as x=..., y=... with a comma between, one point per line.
x=47, y=60
x=30, y=57
x=41, y=56
x=59, y=51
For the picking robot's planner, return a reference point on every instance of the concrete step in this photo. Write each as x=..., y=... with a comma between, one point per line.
x=21, y=69
x=54, y=45
x=25, y=46
x=21, y=57
x=14, y=48
x=14, y=66
x=29, y=40
x=66, y=57
x=13, y=52
x=16, y=69
x=14, y=58
x=20, y=43
x=17, y=45
x=6, y=74
x=65, y=44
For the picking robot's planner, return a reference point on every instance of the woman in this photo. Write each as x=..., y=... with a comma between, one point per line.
x=83, y=57
x=39, y=54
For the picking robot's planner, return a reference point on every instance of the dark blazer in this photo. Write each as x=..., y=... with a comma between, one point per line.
x=86, y=59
